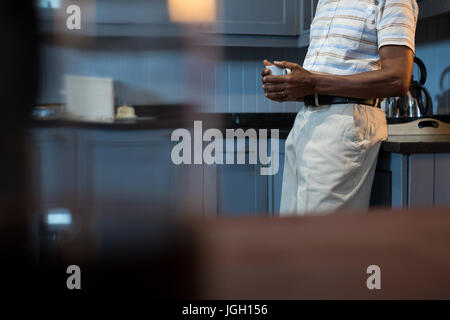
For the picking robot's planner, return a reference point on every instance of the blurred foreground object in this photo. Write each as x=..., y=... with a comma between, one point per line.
x=124, y=254
x=18, y=88
x=327, y=257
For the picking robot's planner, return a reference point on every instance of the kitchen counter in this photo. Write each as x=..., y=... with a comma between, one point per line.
x=417, y=144
x=164, y=117
x=167, y=117
x=138, y=155
x=148, y=118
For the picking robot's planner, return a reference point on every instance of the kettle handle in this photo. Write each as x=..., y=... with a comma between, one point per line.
x=423, y=70
x=423, y=107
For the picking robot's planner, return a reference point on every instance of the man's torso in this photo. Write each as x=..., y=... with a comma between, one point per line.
x=344, y=36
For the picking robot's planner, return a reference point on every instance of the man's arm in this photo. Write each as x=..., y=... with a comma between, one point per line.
x=393, y=79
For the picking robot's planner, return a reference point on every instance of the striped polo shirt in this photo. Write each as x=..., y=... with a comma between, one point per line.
x=346, y=35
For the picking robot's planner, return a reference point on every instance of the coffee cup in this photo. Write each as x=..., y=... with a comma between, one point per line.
x=277, y=71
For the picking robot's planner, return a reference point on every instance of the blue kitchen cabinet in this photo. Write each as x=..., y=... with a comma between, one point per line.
x=420, y=180
x=235, y=189
x=101, y=170
x=254, y=23
x=52, y=170
x=442, y=180
x=249, y=23
x=276, y=182
x=102, y=173
x=401, y=181
x=428, y=180
x=417, y=180
x=262, y=23
x=126, y=168
x=250, y=17
x=258, y=17
x=242, y=191
x=105, y=171
x=131, y=12
x=398, y=166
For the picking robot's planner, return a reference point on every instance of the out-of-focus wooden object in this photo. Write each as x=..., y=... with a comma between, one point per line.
x=326, y=257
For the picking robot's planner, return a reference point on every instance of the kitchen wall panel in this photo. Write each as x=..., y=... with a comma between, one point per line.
x=227, y=83
x=140, y=77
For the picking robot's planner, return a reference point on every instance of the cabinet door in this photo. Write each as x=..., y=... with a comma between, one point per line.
x=242, y=190
x=442, y=180
x=127, y=170
x=399, y=169
x=307, y=12
x=258, y=17
x=235, y=189
x=276, y=182
x=131, y=11
x=421, y=180
x=53, y=167
x=381, y=195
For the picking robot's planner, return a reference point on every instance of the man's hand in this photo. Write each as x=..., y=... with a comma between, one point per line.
x=266, y=71
x=290, y=87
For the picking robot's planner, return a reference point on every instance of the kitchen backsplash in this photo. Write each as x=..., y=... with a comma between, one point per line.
x=235, y=82
x=141, y=77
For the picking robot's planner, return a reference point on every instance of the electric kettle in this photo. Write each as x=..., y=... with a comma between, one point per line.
x=416, y=103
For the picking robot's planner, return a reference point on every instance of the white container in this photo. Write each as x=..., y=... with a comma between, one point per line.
x=90, y=97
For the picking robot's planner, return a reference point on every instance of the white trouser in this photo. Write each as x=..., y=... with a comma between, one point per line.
x=331, y=155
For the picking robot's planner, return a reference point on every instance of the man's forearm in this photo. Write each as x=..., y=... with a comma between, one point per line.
x=393, y=79
x=367, y=85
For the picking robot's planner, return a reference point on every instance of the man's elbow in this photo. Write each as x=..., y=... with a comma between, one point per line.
x=401, y=86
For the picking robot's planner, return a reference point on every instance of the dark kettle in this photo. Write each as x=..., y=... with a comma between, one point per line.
x=416, y=103
x=419, y=91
